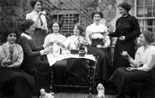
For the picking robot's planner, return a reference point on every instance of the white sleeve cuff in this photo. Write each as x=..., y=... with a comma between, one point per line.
x=42, y=52
x=44, y=45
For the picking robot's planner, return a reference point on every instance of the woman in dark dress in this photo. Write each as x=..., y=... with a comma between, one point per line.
x=96, y=35
x=37, y=68
x=127, y=29
x=14, y=82
x=130, y=79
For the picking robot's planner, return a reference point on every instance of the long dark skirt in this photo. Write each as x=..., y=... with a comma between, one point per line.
x=38, y=37
x=72, y=71
x=119, y=60
x=129, y=82
x=16, y=83
x=103, y=66
x=77, y=70
x=58, y=71
x=41, y=72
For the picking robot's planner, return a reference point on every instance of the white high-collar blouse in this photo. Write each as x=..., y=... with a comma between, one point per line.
x=71, y=42
x=145, y=57
x=34, y=16
x=93, y=28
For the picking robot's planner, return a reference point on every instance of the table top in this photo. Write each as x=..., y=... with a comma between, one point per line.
x=53, y=58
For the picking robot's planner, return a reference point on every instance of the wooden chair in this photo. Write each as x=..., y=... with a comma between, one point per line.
x=90, y=76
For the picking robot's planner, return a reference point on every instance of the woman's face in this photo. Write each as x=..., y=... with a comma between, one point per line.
x=122, y=11
x=11, y=38
x=139, y=40
x=143, y=40
x=76, y=31
x=31, y=29
x=97, y=18
x=38, y=6
x=56, y=28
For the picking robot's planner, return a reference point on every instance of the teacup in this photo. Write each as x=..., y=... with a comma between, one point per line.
x=81, y=53
x=124, y=52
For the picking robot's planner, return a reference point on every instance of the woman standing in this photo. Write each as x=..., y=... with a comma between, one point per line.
x=96, y=35
x=39, y=69
x=38, y=16
x=127, y=29
x=14, y=82
x=129, y=80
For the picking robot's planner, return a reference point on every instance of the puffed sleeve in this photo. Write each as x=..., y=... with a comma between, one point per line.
x=28, y=16
x=3, y=56
x=63, y=39
x=46, y=40
x=150, y=62
x=88, y=32
x=136, y=62
x=107, y=41
x=67, y=43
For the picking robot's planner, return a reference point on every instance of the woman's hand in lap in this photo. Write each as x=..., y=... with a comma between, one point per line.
x=131, y=68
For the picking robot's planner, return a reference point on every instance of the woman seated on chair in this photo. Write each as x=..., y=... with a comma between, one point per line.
x=14, y=82
x=76, y=70
x=96, y=35
x=73, y=42
x=55, y=37
x=58, y=40
x=141, y=71
x=36, y=67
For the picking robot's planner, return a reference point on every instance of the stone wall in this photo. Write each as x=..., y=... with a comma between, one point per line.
x=109, y=8
x=12, y=12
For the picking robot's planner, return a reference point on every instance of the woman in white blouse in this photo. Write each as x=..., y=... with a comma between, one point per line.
x=55, y=37
x=38, y=16
x=14, y=82
x=72, y=41
x=141, y=70
x=96, y=35
x=58, y=44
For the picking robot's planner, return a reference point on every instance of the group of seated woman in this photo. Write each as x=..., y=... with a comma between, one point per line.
x=24, y=56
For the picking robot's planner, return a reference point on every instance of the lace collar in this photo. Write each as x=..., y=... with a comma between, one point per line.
x=27, y=36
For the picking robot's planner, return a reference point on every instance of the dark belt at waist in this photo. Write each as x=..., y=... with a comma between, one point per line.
x=94, y=45
x=38, y=29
